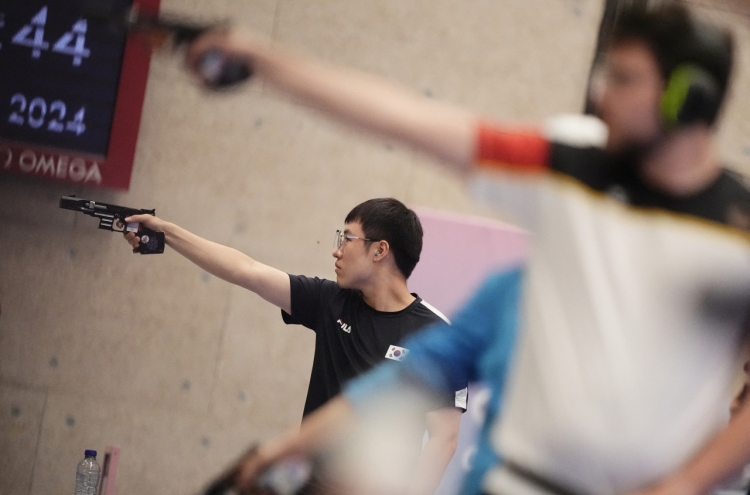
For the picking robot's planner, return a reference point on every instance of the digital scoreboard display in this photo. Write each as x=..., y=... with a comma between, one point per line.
x=71, y=91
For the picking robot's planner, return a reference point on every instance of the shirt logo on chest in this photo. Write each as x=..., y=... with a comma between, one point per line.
x=344, y=326
x=396, y=353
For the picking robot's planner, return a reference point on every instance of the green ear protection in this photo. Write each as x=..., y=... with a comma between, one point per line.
x=691, y=96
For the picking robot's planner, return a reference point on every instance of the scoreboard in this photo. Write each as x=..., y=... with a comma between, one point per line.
x=71, y=92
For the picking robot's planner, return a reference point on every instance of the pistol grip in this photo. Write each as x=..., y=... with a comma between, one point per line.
x=220, y=71
x=151, y=242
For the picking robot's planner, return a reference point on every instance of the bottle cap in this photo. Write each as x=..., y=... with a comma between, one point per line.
x=90, y=453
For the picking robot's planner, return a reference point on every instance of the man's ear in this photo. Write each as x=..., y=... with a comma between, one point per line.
x=382, y=248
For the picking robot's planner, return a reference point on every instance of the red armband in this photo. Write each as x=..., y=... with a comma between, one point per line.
x=517, y=151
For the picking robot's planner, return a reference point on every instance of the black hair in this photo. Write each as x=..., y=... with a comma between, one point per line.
x=675, y=37
x=388, y=219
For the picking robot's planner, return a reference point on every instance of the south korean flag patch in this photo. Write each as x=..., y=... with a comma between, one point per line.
x=396, y=353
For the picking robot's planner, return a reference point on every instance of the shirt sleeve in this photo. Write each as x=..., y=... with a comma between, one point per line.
x=308, y=296
x=443, y=358
x=508, y=164
x=515, y=150
x=533, y=150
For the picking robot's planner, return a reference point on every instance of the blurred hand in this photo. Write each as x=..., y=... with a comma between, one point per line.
x=250, y=468
x=230, y=43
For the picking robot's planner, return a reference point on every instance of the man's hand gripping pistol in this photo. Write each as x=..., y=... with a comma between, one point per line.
x=112, y=218
x=217, y=70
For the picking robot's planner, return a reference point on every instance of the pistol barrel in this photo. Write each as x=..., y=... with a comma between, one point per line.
x=72, y=203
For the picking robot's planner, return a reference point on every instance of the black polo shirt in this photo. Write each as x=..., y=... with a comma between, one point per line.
x=350, y=336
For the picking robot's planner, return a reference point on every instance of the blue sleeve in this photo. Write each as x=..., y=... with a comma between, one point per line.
x=442, y=357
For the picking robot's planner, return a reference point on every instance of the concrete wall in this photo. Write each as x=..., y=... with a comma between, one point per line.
x=99, y=346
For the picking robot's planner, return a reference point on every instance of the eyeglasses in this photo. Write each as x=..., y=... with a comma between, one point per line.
x=340, y=236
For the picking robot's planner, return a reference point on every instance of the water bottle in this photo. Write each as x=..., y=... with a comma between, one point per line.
x=87, y=474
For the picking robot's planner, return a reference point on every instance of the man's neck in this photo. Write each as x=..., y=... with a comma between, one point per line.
x=683, y=164
x=390, y=294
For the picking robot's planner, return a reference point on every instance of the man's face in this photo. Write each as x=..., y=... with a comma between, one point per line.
x=354, y=259
x=628, y=96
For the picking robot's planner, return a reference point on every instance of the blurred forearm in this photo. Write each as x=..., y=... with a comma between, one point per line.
x=361, y=100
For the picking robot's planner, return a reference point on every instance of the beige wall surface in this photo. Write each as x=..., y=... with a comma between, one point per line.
x=99, y=346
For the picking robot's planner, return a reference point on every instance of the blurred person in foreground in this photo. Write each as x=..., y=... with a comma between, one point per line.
x=359, y=321
x=634, y=304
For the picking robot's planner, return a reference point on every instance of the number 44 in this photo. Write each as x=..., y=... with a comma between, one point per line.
x=71, y=43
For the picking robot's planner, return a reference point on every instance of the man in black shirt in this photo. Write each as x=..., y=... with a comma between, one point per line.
x=351, y=336
x=359, y=320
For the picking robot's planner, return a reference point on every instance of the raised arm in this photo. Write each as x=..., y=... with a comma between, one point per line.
x=353, y=98
x=222, y=261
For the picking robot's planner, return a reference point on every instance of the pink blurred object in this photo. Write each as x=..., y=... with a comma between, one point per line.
x=459, y=252
x=109, y=471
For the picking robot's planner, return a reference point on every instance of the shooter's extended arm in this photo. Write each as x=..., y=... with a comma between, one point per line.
x=218, y=71
x=109, y=215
